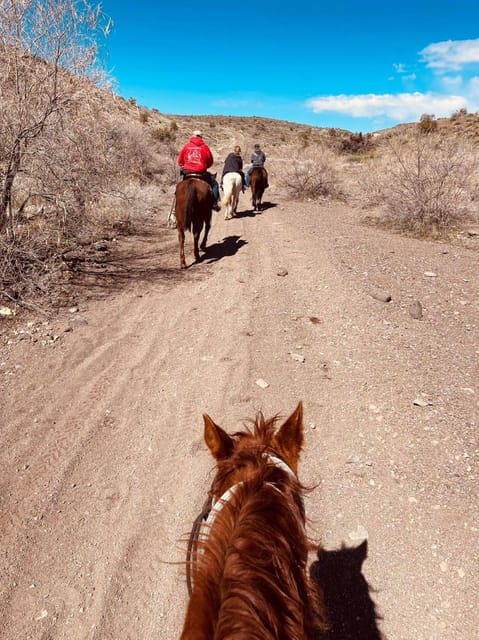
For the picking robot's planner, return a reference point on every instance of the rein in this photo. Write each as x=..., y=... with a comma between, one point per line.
x=193, y=541
x=209, y=512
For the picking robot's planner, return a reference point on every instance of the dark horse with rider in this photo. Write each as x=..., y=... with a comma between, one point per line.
x=198, y=193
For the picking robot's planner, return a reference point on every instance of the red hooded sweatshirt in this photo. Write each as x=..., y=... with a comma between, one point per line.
x=195, y=156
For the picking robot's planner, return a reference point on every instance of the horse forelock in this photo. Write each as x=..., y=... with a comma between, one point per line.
x=252, y=572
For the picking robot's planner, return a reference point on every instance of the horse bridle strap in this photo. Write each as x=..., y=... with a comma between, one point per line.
x=193, y=541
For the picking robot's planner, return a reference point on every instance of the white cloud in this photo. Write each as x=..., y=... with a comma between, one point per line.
x=473, y=88
x=451, y=55
x=401, y=107
x=400, y=68
x=452, y=83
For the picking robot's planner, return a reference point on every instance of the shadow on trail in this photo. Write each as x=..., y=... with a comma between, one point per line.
x=228, y=247
x=351, y=611
x=250, y=213
x=146, y=258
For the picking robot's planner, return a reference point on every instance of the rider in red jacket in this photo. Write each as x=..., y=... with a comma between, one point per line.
x=196, y=157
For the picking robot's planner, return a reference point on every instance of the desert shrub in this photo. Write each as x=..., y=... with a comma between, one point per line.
x=356, y=143
x=459, y=113
x=166, y=166
x=427, y=185
x=144, y=116
x=163, y=134
x=427, y=123
x=305, y=138
x=312, y=176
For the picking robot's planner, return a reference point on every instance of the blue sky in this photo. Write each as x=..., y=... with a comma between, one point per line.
x=361, y=66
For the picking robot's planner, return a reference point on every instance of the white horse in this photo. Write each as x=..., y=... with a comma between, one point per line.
x=232, y=184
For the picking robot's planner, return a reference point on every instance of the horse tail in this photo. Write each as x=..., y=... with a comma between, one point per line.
x=191, y=204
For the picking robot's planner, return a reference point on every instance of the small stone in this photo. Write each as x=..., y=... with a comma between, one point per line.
x=282, y=272
x=420, y=402
x=73, y=310
x=444, y=566
x=415, y=310
x=43, y=614
x=383, y=296
x=360, y=534
x=430, y=274
x=314, y=320
x=6, y=312
x=297, y=356
x=262, y=383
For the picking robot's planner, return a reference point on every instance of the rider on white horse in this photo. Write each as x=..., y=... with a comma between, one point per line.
x=234, y=164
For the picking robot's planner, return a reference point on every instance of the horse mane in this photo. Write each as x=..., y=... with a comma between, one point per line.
x=252, y=571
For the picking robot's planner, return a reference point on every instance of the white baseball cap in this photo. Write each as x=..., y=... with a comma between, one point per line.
x=197, y=132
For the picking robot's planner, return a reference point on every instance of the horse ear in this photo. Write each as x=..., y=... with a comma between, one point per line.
x=217, y=440
x=290, y=437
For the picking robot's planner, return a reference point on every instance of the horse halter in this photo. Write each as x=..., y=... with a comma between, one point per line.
x=211, y=508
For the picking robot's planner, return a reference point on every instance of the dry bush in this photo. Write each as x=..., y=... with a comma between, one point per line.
x=356, y=143
x=426, y=184
x=44, y=48
x=68, y=157
x=167, y=168
x=312, y=175
x=427, y=123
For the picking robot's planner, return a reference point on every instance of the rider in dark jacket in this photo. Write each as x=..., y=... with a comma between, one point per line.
x=258, y=159
x=234, y=164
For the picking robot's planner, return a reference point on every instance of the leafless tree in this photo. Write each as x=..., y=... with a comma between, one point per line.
x=428, y=184
x=47, y=48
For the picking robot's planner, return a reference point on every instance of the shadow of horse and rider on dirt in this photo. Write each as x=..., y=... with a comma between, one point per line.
x=194, y=202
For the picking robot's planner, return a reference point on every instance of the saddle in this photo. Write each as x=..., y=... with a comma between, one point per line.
x=192, y=174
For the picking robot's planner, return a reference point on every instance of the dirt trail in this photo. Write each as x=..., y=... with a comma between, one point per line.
x=102, y=459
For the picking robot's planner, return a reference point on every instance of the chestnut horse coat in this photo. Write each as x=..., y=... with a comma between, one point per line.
x=193, y=208
x=258, y=181
x=250, y=573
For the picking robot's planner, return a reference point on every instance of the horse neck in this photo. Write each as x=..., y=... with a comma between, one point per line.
x=261, y=591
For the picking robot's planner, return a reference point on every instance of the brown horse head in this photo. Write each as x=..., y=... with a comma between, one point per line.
x=250, y=572
x=235, y=454
x=193, y=207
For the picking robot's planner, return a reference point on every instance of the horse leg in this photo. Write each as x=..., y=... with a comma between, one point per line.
x=181, y=240
x=235, y=203
x=205, y=235
x=196, y=239
x=226, y=202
